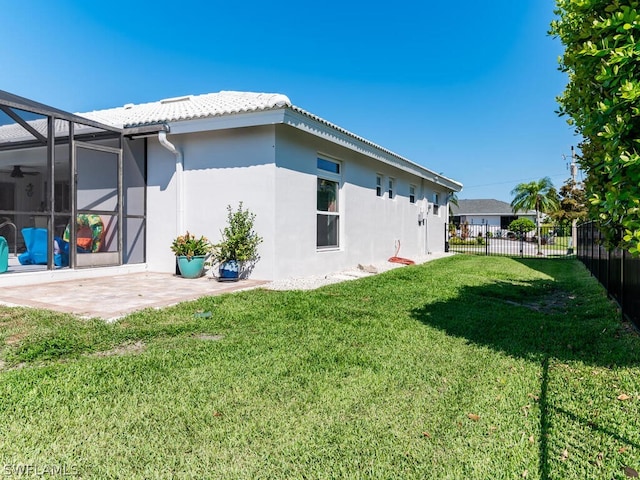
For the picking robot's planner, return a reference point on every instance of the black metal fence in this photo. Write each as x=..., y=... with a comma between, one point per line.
x=617, y=270
x=486, y=239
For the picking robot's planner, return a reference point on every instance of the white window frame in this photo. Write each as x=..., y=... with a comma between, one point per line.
x=379, y=183
x=436, y=204
x=391, y=184
x=412, y=193
x=325, y=171
x=323, y=174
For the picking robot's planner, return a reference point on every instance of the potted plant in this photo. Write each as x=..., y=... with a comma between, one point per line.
x=191, y=253
x=237, y=252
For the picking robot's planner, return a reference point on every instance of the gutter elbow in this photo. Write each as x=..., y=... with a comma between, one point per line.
x=162, y=138
x=180, y=201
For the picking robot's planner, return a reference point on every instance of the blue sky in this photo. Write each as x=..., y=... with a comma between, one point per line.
x=468, y=92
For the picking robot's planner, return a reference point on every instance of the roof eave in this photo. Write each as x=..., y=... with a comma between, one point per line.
x=305, y=121
x=314, y=125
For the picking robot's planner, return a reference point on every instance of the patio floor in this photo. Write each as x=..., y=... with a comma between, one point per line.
x=112, y=297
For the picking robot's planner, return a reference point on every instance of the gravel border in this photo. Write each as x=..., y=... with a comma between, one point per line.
x=359, y=271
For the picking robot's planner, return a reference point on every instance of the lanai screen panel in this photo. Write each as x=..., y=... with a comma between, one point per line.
x=134, y=198
x=97, y=198
x=36, y=174
x=23, y=173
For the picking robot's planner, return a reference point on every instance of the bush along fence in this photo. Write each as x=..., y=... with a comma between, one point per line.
x=545, y=242
x=617, y=270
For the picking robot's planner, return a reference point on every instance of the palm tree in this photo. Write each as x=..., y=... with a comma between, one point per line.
x=540, y=196
x=453, y=200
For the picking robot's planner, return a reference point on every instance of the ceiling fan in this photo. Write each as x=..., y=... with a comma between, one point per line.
x=17, y=172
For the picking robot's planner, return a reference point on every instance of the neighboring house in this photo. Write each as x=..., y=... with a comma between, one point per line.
x=493, y=213
x=153, y=171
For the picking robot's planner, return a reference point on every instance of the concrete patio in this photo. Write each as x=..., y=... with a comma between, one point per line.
x=111, y=297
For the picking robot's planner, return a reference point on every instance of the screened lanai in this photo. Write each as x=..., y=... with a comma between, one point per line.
x=72, y=190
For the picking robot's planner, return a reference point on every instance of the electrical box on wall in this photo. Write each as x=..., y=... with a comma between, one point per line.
x=421, y=216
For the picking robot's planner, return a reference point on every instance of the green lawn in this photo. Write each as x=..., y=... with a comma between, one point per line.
x=464, y=367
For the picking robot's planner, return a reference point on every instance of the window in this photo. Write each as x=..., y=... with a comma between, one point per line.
x=436, y=206
x=390, y=189
x=378, y=185
x=328, y=166
x=412, y=194
x=327, y=204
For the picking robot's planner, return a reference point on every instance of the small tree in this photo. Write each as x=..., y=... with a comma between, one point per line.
x=522, y=226
x=464, y=230
x=239, y=240
x=572, y=205
x=571, y=209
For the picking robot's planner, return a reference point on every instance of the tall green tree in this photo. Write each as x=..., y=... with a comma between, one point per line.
x=539, y=195
x=602, y=101
x=572, y=204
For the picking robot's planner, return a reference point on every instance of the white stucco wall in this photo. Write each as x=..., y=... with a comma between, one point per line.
x=481, y=219
x=370, y=226
x=273, y=171
x=493, y=221
x=220, y=168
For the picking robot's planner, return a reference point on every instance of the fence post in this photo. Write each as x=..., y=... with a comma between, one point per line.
x=623, y=260
x=446, y=237
x=486, y=239
x=593, y=256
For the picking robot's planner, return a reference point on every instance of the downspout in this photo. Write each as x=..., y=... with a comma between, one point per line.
x=425, y=220
x=426, y=227
x=162, y=138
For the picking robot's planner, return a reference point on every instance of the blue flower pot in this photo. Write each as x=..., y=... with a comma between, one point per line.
x=191, y=267
x=229, y=271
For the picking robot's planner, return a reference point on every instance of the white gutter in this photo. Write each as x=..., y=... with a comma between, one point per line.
x=162, y=138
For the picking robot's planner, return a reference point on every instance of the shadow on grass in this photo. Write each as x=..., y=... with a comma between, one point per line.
x=537, y=319
x=550, y=320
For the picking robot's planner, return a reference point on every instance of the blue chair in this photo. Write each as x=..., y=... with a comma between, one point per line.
x=60, y=252
x=4, y=255
x=35, y=239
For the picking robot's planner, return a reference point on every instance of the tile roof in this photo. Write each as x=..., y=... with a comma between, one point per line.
x=188, y=107
x=192, y=107
x=210, y=105
x=170, y=109
x=15, y=133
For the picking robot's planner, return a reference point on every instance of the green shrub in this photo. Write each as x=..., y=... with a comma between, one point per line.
x=239, y=240
x=522, y=225
x=469, y=241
